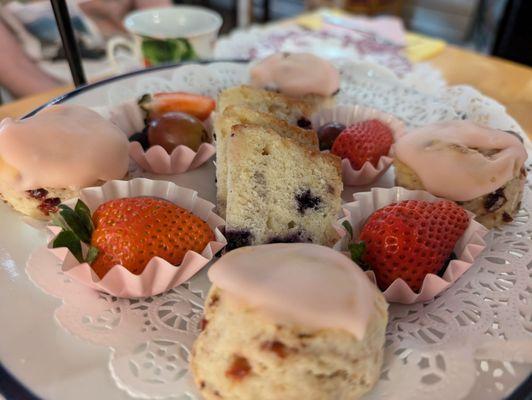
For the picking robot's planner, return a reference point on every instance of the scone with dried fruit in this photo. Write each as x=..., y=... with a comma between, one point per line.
x=312, y=329
x=482, y=169
x=45, y=159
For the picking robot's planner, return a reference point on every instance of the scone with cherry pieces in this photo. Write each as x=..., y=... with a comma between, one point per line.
x=480, y=168
x=313, y=330
x=46, y=158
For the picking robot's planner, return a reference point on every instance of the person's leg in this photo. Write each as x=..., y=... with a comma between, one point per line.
x=18, y=73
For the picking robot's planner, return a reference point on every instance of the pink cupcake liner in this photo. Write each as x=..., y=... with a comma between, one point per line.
x=468, y=247
x=182, y=158
x=348, y=115
x=159, y=275
x=129, y=117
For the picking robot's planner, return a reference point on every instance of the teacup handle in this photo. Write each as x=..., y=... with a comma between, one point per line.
x=118, y=41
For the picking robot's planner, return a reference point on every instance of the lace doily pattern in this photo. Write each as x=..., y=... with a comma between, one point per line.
x=471, y=341
x=333, y=44
x=372, y=86
x=431, y=349
x=207, y=79
x=471, y=104
x=362, y=83
x=259, y=42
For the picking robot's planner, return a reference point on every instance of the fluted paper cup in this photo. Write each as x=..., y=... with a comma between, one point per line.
x=349, y=115
x=467, y=248
x=129, y=117
x=159, y=275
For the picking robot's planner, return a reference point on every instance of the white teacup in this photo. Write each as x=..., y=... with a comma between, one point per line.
x=170, y=34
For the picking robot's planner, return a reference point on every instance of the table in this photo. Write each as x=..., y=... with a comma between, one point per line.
x=505, y=81
x=22, y=106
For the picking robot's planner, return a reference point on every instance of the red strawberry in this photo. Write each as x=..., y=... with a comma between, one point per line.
x=194, y=104
x=363, y=141
x=411, y=239
x=131, y=231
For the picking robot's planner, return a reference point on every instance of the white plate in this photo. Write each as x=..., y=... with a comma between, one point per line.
x=56, y=365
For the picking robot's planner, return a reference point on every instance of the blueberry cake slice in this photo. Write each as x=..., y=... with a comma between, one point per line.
x=279, y=191
x=295, y=111
x=234, y=115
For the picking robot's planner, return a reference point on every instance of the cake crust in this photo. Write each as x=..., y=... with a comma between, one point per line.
x=290, y=109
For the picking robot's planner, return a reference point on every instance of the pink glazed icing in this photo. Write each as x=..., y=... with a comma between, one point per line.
x=296, y=74
x=61, y=146
x=300, y=283
x=445, y=157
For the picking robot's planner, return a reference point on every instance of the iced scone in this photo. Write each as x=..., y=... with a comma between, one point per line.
x=480, y=168
x=45, y=159
x=289, y=321
x=235, y=115
x=296, y=75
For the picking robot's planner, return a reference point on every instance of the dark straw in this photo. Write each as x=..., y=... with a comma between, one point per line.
x=64, y=24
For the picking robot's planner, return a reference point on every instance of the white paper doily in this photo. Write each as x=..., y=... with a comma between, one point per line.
x=474, y=341
x=258, y=42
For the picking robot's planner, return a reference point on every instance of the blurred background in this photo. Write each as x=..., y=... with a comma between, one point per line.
x=33, y=59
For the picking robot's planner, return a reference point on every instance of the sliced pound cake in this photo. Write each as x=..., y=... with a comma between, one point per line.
x=295, y=111
x=279, y=191
x=234, y=115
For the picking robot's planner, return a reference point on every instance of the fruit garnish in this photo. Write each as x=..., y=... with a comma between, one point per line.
x=196, y=105
x=76, y=228
x=409, y=240
x=356, y=250
x=364, y=141
x=176, y=128
x=304, y=123
x=131, y=231
x=142, y=138
x=328, y=133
